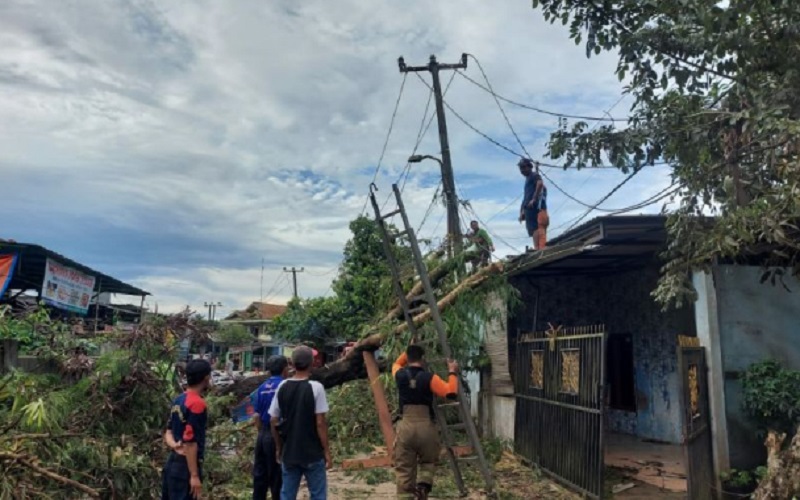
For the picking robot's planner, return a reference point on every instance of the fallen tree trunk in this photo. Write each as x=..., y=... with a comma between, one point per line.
x=351, y=366
x=434, y=276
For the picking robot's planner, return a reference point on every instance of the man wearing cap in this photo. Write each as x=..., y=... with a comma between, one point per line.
x=300, y=430
x=534, y=204
x=186, y=436
x=266, y=470
x=417, y=446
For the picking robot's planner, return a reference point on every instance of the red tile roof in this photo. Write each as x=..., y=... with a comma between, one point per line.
x=258, y=310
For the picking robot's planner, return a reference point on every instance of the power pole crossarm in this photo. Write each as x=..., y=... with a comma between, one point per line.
x=294, y=272
x=448, y=180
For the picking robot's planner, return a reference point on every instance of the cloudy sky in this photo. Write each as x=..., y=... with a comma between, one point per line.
x=175, y=144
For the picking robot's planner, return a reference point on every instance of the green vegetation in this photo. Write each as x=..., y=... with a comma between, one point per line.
x=771, y=396
x=714, y=89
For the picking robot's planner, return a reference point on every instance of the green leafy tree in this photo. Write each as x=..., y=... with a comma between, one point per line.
x=362, y=292
x=715, y=92
x=771, y=396
x=233, y=335
x=314, y=321
x=364, y=287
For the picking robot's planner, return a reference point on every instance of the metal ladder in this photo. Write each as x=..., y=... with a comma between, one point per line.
x=462, y=403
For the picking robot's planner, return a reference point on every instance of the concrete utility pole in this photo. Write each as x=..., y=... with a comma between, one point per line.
x=212, y=309
x=294, y=272
x=448, y=181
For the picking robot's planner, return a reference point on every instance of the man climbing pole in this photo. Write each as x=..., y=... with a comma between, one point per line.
x=534, y=204
x=483, y=243
x=417, y=445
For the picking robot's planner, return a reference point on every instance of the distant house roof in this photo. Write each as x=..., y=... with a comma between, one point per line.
x=602, y=245
x=32, y=261
x=257, y=311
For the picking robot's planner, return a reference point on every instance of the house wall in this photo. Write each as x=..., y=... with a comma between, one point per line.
x=621, y=302
x=756, y=322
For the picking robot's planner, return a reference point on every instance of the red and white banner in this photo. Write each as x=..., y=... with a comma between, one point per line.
x=67, y=288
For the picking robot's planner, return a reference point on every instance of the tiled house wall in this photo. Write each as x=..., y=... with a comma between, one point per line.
x=621, y=302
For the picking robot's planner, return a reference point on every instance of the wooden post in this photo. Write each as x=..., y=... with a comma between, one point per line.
x=384, y=417
x=9, y=359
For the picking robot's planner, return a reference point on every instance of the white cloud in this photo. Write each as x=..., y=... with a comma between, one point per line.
x=252, y=128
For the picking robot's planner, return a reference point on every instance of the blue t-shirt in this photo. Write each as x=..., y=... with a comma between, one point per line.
x=530, y=193
x=187, y=420
x=266, y=392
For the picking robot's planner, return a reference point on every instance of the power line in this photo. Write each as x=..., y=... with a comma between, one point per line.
x=430, y=209
x=505, y=207
x=272, y=287
x=590, y=176
x=420, y=135
x=516, y=136
x=388, y=135
x=604, y=198
x=468, y=207
x=286, y=284
x=534, y=108
x=664, y=193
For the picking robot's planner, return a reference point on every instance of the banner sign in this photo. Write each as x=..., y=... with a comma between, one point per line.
x=67, y=288
x=245, y=410
x=7, y=265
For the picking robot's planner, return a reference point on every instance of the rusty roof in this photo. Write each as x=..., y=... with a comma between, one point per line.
x=257, y=311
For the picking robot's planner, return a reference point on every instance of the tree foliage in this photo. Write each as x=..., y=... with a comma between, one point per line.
x=231, y=334
x=99, y=435
x=361, y=292
x=771, y=396
x=314, y=321
x=715, y=89
x=363, y=286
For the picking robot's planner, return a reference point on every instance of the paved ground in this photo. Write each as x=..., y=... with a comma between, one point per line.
x=660, y=465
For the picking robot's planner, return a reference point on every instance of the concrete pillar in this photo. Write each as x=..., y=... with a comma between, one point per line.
x=707, y=321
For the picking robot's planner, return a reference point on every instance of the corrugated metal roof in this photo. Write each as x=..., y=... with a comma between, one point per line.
x=33, y=260
x=602, y=245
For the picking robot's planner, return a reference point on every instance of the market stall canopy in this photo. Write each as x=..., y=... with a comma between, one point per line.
x=31, y=264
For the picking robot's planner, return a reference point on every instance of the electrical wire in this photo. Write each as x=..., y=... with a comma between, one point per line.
x=388, y=135
x=590, y=176
x=516, y=136
x=664, y=193
x=274, y=284
x=468, y=207
x=279, y=291
x=420, y=134
x=604, y=198
x=505, y=207
x=429, y=210
x=533, y=108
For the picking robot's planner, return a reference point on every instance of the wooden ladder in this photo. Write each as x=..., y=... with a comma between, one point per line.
x=461, y=402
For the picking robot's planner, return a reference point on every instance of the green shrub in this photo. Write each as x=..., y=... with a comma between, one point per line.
x=771, y=396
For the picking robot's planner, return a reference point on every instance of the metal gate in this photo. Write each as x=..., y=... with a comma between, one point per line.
x=696, y=423
x=558, y=385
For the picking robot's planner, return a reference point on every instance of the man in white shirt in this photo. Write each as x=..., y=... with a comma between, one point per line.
x=300, y=430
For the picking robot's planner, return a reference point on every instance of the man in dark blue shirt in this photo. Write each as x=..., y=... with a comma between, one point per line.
x=534, y=204
x=266, y=469
x=186, y=436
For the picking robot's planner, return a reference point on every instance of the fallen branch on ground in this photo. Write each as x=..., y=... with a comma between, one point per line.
x=28, y=462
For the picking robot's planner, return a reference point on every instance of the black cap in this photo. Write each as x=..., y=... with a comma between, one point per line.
x=196, y=371
x=525, y=162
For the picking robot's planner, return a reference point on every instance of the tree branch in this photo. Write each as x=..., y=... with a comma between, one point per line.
x=24, y=460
